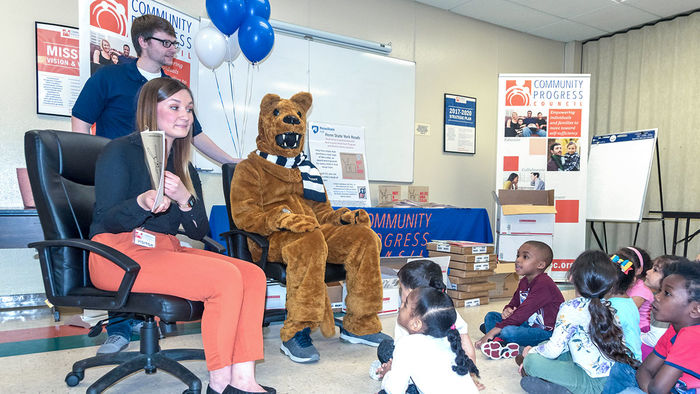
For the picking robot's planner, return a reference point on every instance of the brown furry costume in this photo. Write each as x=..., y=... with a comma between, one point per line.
x=268, y=199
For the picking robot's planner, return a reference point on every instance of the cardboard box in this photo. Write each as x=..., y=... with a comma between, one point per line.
x=453, y=272
x=467, y=258
x=468, y=276
x=505, y=267
x=508, y=244
x=335, y=294
x=474, y=287
x=526, y=212
x=460, y=247
x=389, y=193
x=486, y=266
x=276, y=296
x=471, y=302
x=465, y=295
x=505, y=285
x=418, y=193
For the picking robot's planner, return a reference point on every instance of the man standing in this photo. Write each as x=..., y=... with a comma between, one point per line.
x=109, y=99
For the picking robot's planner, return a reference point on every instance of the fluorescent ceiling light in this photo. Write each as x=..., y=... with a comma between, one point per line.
x=336, y=39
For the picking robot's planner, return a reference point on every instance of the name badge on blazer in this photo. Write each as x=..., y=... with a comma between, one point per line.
x=144, y=238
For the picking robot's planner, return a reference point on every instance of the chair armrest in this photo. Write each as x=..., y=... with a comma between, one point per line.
x=209, y=241
x=131, y=268
x=257, y=238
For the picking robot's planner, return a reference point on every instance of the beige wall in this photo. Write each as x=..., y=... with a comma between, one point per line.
x=453, y=54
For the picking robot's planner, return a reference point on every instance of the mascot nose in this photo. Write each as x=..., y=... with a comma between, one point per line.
x=291, y=119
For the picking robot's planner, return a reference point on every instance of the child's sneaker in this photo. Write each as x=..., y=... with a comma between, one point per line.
x=497, y=349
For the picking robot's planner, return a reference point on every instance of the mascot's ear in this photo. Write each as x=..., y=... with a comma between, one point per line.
x=268, y=101
x=303, y=99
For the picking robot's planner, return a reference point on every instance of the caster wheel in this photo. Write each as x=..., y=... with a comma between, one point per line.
x=73, y=378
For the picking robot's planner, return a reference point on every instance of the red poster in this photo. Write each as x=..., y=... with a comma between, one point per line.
x=57, y=67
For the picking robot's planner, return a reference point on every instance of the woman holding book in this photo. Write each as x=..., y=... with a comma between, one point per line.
x=128, y=219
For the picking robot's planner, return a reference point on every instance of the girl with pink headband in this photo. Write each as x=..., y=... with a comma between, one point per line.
x=638, y=260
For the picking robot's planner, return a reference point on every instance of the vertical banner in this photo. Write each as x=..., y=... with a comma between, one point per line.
x=543, y=141
x=105, y=36
x=460, y=124
x=57, y=69
x=339, y=154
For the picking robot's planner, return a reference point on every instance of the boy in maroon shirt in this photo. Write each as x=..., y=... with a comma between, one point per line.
x=529, y=317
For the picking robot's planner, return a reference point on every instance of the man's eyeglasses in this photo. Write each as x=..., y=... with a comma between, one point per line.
x=166, y=43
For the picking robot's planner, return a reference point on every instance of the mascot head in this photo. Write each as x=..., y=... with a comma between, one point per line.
x=282, y=124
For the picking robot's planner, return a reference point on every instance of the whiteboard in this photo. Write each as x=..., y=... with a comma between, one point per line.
x=349, y=87
x=618, y=175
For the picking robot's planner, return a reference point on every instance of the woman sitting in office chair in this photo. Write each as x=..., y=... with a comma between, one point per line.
x=125, y=218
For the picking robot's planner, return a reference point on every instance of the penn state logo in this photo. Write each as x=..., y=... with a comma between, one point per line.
x=518, y=92
x=314, y=129
x=110, y=15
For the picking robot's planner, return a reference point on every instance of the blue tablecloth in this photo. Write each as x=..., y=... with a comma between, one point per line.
x=404, y=231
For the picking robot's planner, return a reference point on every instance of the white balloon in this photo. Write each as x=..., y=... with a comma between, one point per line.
x=233, y=49
x=210, y=46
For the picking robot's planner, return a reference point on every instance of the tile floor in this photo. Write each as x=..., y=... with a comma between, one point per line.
x=36, y=353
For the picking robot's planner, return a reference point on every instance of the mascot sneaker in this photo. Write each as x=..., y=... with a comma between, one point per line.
x=369, y=339
x=300, y=349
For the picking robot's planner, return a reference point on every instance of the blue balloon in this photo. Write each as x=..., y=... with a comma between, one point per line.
x=256, y=38
x=259, y=8
x=226, y=15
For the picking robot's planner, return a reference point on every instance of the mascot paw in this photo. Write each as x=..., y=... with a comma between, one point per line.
x=359, y=216
x=297, y=223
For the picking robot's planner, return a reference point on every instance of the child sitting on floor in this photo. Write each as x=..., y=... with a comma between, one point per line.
x=586, y=340
x=415, y=274
x=529, y=317
x=653, y=282
x=639, y=292
x=431, y=355
x=674, y=366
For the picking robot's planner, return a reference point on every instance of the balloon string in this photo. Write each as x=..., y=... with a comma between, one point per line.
x=248, y=97
x=221, y=99
x=239, y=151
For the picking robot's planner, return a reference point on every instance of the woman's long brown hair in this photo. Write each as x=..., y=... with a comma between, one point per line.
x=152, y=93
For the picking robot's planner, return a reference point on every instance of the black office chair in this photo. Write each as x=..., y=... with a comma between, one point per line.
x=61, y=167
x=237, y=246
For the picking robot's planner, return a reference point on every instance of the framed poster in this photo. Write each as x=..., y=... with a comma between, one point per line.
x=57, y=68
x=460, y=124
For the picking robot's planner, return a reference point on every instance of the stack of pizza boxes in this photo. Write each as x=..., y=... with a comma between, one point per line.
x=471, y=263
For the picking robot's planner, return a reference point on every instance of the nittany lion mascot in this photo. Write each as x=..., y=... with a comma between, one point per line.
x=278, y=193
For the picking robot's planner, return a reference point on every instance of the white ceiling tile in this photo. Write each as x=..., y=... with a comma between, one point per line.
x=615, y=17
x=565, y=8
x=505, y=13
x=444, y=4
x=566, y=31
x=665, y=8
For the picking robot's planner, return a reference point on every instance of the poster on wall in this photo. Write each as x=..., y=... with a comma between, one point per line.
x=57, y=68
x=542, y=145
x=105, y=36
x=460, y=124
x=339, y=154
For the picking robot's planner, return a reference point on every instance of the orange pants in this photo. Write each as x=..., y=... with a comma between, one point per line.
x=233, y=291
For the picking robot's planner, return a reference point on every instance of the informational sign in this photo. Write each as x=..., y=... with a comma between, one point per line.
x=460, y=124
x=105, y=36
x=542, y=145
x=57, y=69
x=339, y=154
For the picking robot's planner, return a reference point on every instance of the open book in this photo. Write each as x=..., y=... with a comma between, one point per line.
x=154, y=152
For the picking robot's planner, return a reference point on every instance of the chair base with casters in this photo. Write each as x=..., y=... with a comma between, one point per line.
x=149, y=358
